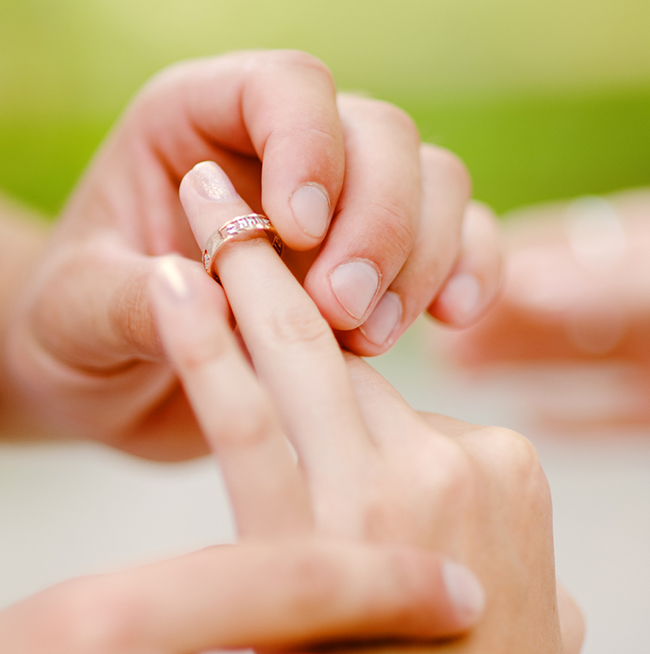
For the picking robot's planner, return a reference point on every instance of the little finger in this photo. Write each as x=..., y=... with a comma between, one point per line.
x=476, y=280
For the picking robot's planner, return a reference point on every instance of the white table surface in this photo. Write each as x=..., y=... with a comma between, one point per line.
x=76, y=509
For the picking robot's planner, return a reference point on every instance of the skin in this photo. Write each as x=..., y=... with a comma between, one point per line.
x=84, y=358
x=280, y=592
x=375, y=480
x=373, y=468
x=271, y=593
x=575, y=292
x=82, y=341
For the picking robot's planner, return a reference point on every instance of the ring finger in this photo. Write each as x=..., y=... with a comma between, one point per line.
x=293, y=349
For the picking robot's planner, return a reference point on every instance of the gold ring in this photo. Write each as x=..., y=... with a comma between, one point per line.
x=241, y=228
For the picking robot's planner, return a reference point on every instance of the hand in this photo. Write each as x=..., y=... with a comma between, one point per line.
x=576, y=291
x=343, y=174
x=370, y=468
x=296, y=590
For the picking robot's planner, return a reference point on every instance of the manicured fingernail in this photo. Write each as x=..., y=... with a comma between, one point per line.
x=461, y=298
x=172, y=281
x=464, y=590
x=212, y=183
x=355, y=285
x=383, y=320
x=311, y=209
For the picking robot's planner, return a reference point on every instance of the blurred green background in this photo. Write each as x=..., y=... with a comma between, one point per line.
x=543, y=99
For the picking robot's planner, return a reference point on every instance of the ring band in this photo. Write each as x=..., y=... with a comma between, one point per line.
x=241, y=228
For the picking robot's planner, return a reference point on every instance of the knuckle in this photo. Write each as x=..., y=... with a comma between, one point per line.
x=299, y=59
x=397, y=227
x=315, y=582
x=483, y=212
x=315, y=135
x=448, y=167
x=517, y=465
x=244, y=425
x=389, y=116
x=298, y=324
x=97, y=617
x=403, y=121
x=389, y=113
x=420, y=494
x=481, y=226
x=517, y=453
x=454, y=476
x=197, y=353
x=160, y=84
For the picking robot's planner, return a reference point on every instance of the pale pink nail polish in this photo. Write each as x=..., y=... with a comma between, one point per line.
x=212, y=183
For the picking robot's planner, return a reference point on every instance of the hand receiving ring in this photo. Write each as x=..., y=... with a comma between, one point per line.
x=241, y=228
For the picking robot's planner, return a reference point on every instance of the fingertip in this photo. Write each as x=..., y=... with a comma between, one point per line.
x=186, y=303
x=572, y=621
x=355, y=284
x=381, y=327
x=170, y=284
x=461, y=301
x=465, y=593
x=311, y=208
x=445, y=598
x=475, y=282
x=206, y=193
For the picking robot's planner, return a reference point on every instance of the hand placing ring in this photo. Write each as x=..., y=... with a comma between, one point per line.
x=241, y=228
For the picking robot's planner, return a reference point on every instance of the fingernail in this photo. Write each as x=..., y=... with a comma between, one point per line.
x=355, y=285
x=383, y=320
x=212, y=183
x=464, y=590
x=311, y=209
x=172, y=281
x=461, y=298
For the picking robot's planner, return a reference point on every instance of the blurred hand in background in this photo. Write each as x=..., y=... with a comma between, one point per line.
x=576, y=297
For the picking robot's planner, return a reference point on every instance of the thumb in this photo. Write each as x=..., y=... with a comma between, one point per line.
x=92, y=310
x=263, y=595
x=83, y=347
x=572, y=621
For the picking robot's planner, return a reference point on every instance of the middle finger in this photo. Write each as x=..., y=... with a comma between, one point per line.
x=377, y=214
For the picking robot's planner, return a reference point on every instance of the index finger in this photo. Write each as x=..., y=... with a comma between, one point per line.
x=278, y=107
